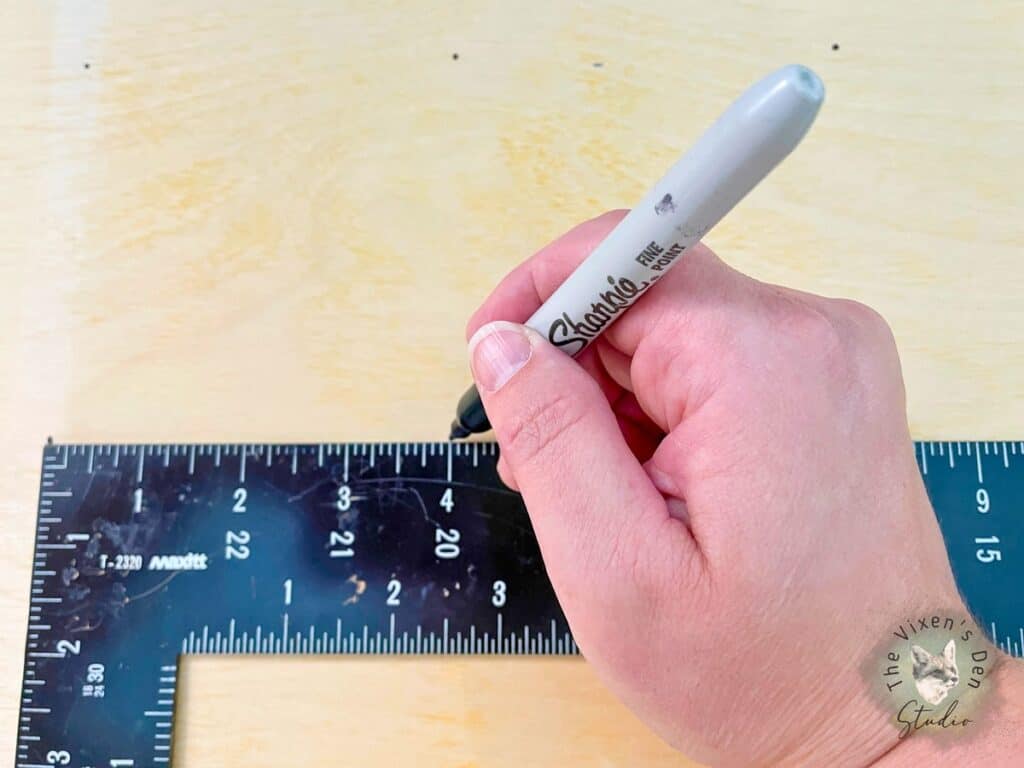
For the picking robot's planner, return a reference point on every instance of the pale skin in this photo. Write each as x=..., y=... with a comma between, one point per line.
x=726, y=498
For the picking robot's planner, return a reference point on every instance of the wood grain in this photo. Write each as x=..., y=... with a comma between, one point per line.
x=269, y=221
x=429, y=711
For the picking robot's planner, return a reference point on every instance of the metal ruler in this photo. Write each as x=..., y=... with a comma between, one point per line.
x=145, y=553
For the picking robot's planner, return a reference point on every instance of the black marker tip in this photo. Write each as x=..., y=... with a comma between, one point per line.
x=458, y=431
x=470, y=417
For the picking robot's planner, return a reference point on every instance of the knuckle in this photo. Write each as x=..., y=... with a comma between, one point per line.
x=536, y=430
x=868, y=322
x=876, y=362
x=813, y=328
x=820, y=340
x=871, y=339
x=842, y=333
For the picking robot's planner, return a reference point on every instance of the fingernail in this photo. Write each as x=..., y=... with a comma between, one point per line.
x=496, y=352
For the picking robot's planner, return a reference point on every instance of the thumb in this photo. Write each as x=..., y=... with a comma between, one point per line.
x=593, y=507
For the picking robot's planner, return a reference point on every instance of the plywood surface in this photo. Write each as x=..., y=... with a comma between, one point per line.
x=269, y=221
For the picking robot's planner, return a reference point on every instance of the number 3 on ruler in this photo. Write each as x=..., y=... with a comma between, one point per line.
x=500, y=593
x=344, y=502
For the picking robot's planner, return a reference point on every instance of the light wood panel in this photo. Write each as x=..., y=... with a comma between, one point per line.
x=270, y=220
x=504, y=713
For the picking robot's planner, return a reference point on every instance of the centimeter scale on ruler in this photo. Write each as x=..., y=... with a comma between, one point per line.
x=145, y=553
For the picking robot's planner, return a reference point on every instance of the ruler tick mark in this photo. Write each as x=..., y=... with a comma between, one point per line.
x=376, y=633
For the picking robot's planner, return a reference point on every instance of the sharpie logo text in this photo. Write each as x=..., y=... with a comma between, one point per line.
x=574, y=334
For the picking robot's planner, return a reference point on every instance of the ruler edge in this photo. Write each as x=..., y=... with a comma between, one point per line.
x=73, y=447
x=33, y=566
x=51, y=446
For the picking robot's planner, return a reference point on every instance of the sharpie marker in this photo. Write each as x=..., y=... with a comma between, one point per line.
x=753, y=136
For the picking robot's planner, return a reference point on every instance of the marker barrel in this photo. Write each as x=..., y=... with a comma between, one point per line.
x=750, y=138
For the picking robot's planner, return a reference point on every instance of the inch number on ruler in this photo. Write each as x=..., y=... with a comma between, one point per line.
x=344, y=552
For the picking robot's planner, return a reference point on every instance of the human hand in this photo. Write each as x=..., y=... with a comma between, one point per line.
x=726, y=498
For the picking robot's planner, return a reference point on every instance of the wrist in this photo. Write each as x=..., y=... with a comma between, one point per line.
x=997, y=740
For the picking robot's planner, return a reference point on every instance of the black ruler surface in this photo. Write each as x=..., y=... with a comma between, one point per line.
x=144, y=553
